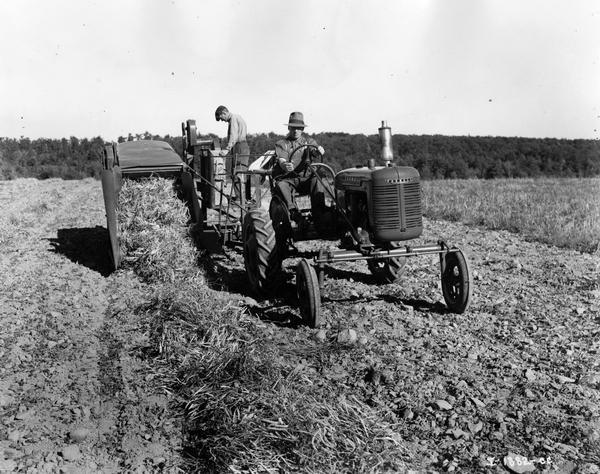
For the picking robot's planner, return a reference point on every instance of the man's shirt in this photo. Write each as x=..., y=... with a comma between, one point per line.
x=284, y=149
x=236, y=132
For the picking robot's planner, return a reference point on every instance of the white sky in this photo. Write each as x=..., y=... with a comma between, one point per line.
x=454, y=67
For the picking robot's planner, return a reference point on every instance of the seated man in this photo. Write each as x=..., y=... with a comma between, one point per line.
x=290, y=177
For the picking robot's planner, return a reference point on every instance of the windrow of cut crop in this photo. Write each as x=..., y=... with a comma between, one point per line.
x=248, y=403
x=154, y=233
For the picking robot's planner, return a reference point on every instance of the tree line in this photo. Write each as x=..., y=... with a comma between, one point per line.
x=435, y=156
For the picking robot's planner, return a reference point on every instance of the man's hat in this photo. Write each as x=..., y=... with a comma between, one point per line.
x=296, y=120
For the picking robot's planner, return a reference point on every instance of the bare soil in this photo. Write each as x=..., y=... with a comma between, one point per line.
x=76, y=391
x=518, y=374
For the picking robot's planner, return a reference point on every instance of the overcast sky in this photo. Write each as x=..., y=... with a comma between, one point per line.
x=461, y=67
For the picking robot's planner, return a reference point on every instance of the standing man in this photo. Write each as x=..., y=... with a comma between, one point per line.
x=290, y=176
x=237, y=145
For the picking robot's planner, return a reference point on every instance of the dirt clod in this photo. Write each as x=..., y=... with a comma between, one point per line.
x=71, y=452
x=347, y=336
x=443, y=405
x=79, y=435
x=321, y=335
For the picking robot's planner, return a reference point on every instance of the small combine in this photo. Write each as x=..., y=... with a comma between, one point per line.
x=372, y=211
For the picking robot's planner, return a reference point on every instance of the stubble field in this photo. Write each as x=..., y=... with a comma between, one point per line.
x=562, y=212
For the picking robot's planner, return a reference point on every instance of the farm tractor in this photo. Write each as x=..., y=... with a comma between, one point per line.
x=369, y=210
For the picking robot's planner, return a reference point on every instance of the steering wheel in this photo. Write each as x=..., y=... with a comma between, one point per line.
x=297, y=159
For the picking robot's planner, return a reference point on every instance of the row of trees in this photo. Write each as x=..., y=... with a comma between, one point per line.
x=440, y=157
x=435, y=156
x=67, y=158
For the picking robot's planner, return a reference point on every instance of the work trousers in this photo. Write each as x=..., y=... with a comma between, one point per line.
x=305, y=183
x=240, y=157
x=240, y=154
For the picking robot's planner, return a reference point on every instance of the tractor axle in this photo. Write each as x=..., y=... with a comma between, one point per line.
x=332, y=256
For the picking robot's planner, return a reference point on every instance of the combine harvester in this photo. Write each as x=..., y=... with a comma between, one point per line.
x=199, y=175
x=371, y=211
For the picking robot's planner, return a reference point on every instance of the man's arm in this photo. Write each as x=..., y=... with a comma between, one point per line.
x=232, y=129
x=312, y=141
x=232, y=133
x=281, y=151
x=282, y=155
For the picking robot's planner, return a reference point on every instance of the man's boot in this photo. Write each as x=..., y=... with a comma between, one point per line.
x=298, y=218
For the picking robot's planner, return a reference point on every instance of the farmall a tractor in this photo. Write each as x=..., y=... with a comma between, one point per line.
x=373, y=210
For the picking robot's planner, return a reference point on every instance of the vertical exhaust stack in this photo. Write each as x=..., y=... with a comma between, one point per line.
x=385, y=135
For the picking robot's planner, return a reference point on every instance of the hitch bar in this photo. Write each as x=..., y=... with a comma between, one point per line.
x=331, y=256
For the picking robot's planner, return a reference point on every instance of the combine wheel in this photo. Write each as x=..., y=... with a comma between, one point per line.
x=309, y=297
x=457, y=281
x=262, y=256
x=387, y=270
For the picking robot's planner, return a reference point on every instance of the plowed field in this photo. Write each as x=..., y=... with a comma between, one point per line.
x=517, y=375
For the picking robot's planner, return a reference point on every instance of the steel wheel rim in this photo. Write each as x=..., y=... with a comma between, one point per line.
x=457, y=284
x=453, y=280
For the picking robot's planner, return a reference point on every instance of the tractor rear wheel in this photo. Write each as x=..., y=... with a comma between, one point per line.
x=280, y=217
x=309, y=296
x=387, y=270
x=457, y=281
x=262, y=255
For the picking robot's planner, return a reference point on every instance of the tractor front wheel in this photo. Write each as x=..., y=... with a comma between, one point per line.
x=262, y=256
x=457, y=281
x=309, y=296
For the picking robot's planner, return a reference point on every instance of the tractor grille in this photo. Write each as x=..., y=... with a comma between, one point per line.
x=412, y=205
x=397, y=206
x=386, y=210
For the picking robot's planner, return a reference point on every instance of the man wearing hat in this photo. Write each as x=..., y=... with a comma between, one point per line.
x=298, y=176
x=236, y=140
